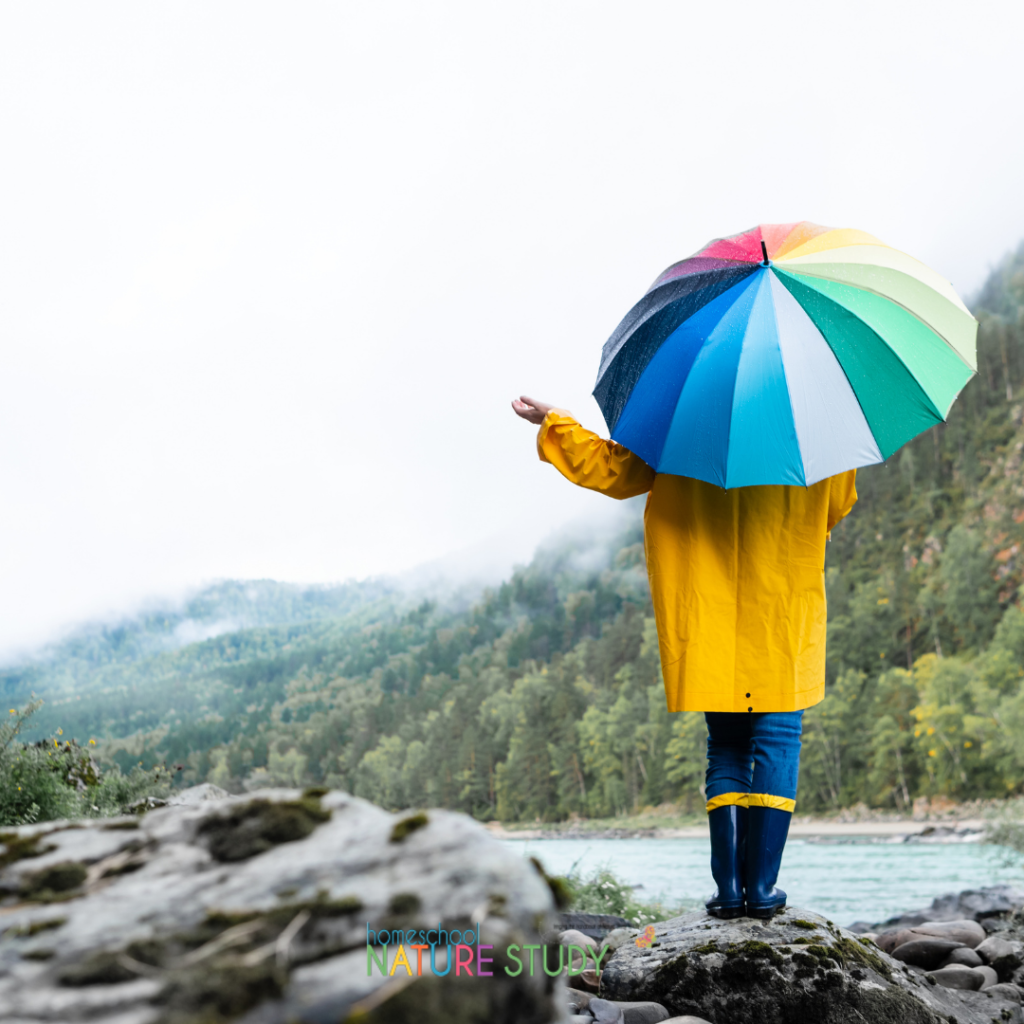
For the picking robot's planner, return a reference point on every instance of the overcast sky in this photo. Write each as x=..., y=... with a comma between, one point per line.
x=271, y=273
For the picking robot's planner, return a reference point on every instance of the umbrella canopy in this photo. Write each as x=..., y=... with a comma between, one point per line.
x=784, y=355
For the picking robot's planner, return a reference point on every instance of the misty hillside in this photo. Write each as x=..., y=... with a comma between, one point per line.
x=544, y=698
x=102, y=654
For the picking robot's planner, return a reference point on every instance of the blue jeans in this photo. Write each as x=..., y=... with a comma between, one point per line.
x=753, y=759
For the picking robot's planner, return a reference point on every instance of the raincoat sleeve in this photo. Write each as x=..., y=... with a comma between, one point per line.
x=842, y=496
x=590, y=461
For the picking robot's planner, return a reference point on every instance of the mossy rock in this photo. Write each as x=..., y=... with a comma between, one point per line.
x=432, y=1000
x=706, y=948
x=406, y=826
x=255, y=827
x=404, y=904
x=56, y=882
x=755, y=950
x=20, y=847
x=220, y=992
x=104, y=968
x=26, y=931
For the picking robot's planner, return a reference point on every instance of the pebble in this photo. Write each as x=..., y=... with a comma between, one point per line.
x=606, y=1012
x=926, y=953
x=1006, y=990
x=578, y=1000
x=958, y=976
x=588, y=981
x=968, y=933
x=965, y=956
x=990, y=976
x=573, y=937
x=643, y=1012
x=965, y=933
x=995, y=948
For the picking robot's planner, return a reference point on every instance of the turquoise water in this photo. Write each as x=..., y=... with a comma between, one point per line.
x=845, y=881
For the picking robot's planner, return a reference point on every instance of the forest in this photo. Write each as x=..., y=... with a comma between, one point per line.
x=542, y=699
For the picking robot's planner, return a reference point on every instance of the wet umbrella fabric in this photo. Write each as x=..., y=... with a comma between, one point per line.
x=784, y=355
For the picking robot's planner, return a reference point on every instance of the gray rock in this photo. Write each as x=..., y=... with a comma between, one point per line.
x=988, y=975
x=995, y=924
x=572, y=937
x=967, y=933
x=580, y=1018
x=976, y=904
x=964, y=956
x=619, y=937
x=578, y=1001
x=926, y=953
x=197, y=795
x=643, y=1013
x=1005, y=990
x=994, y=948
x=688, y=1019
x=1002, y=955
x=256, y=908
x=958, y=976
x=604, y=1011
x=796, y=967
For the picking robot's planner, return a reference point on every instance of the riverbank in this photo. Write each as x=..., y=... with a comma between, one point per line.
x=968, y=830
x=938, y=820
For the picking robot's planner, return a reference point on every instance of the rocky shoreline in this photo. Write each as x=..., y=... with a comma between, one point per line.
x=813, y=829
x=259, y=909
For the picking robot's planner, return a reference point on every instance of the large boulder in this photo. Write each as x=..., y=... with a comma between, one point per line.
x=256, y=908
x=794, y=969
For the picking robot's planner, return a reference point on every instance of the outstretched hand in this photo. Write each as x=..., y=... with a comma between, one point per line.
x=530, y=409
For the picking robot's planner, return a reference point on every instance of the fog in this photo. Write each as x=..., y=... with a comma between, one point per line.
x=271, y=273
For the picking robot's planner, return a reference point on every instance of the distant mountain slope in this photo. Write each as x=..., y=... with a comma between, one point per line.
x=98, y=654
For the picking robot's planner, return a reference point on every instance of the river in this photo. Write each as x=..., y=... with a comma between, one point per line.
x=854, y=880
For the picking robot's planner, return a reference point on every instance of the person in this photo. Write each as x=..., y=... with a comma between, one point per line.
x=738, y=586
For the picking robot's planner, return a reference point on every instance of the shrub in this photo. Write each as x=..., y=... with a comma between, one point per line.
x=59, y=778
x=601, y=892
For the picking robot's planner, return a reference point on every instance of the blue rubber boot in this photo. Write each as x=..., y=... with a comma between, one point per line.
x=728, y=836
x=767, y=829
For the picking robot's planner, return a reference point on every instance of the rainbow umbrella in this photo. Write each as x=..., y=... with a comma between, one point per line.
x=783, y=355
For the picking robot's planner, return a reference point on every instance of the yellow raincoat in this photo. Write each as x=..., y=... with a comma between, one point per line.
x=737, y=577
